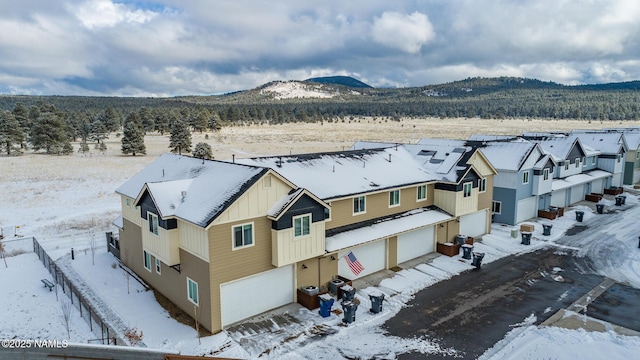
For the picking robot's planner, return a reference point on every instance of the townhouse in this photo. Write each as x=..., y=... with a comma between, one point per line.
x=228, y=240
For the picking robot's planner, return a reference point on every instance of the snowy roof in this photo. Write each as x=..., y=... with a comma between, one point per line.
x=569, y=181
x=633, y=139
x=508, y=155
x=281, y=205
x=388, y=227
x=558, y=147
x=209, y=186
x=445, y=158
x=362, y=145
x=543, y=161
x=488, y=137
x=338, y=174
x=605, y=143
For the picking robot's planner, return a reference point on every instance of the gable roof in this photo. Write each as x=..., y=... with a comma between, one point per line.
x=559, y=147
x=605, y=143
x=192, y=189
x=338, y=174
x=280, y=207
x=506, y=153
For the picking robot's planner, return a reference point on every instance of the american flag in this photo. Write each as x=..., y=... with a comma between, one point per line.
x=353, y=263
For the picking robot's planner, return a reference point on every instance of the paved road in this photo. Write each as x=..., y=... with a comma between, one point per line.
x=474, y=310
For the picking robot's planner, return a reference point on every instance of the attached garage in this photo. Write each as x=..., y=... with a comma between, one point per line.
x=416, y=243
x=597, y=186
x=527, y=209
x=474, y=224
x=372, y=256
x=577, y=194
x=559, y=198
x=256, y=294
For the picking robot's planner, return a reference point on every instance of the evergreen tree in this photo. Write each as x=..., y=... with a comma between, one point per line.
x=162, y=122
x=180, y=138
x=84, y=147
x=11, y=134
x=98, y=132
x=49, y=133
x=133, y=135
x=21, y=114
x=203, y=151
x=200, y=121
x=146, y=118
x=111, y=119
x=214, y=121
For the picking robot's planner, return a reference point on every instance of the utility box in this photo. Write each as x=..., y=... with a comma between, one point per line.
x=526, y=227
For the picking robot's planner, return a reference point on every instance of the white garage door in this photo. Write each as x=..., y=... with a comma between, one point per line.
x=617, y=180
x=373, y=257
x=416, y=243
x=597, y=186
x=474, y=224
x=527, y=209
x=558, y=198
x=577, y=194
x=256, y=294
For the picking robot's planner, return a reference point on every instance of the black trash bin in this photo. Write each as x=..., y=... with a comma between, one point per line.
x=326, y=303
x=546, y=229
x=459, y=240
x=618, y=200
x=526, y=238
x=477, y=259
x=579, y=215
x=349, y=309
x=376, y=302
x=466, y=251
x=599, y=208
x=348, y=293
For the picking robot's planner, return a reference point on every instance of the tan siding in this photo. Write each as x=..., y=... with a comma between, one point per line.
x=310, y=275
x=392, y=248
x=441, y=233
x=377, y=205
x=453, y=229
x=485, y=199
x=480, y=164
x=227, y=264
x=194, y=239
x=328, y=269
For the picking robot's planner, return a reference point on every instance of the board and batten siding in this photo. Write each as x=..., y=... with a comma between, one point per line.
x=130, y=212
x=227, y=264
x=194, y=239
x=165, y=245
x=454, y=202
x=377, y=205
x=256, y=201
x=288, y=249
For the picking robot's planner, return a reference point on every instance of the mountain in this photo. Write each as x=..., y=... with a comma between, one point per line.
x=340, y=80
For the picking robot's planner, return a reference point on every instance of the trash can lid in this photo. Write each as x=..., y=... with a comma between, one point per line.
x=467, y=246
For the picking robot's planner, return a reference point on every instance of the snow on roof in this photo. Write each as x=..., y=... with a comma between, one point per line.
x=362, y=145
x=283, y=203
x=507, y=155
x=119, y=222
x=210, y=186
x=605, y=143
x=337, y=174
x=558, y=147
x=488, y=137
x=633, y=139
x=542, y=161
x=578, y=179
x=444, y=157
x=408, y=221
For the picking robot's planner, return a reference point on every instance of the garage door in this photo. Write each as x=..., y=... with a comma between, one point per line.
x=416, y=243
x=474, y=224
x=256, y=294
x=577, y=194
x=373, y=257
x=558, y=198
x=597, y=186
x=527, y=209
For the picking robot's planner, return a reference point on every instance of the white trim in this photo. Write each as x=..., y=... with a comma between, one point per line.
x=158, y=267
x=464, y=185
x=364, y=201
x=545, y=174
x=482, y=185
x=418, y=193
x=189, y=292
x=397, y=191
x=233, y=239
x=525, y=177
x=577, y=162
x=152, y=219
x=293, y=222
x=146, y=263
x=493, y=207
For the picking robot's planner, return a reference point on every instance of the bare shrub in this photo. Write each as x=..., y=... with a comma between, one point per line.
x=133, y=336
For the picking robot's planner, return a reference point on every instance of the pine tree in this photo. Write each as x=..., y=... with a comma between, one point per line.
x=147, y=119
x=111, y=120
x=11, y=134
x=49, y=133
x=98, y=132
x=203, y=151
x=214, y=121
x=180, y=138
x=133, y=135
x=200, y=121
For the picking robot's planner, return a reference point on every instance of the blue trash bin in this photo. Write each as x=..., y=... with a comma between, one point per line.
x=376, y=302
x=466, y=251
x=349, y=310
x=477, y=259
x=326, y=303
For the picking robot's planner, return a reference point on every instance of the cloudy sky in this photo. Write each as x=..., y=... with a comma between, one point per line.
x=182, y=47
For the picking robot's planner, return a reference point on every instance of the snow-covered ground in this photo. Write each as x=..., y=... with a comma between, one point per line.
x=295, y=89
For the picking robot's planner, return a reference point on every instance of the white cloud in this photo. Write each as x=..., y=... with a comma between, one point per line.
x=104, y=13
x=405, y=32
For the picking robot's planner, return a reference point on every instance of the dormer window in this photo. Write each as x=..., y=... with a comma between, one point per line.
x=577, y=162
x=566, y=165
x=545, y=174
x=466, y=188
x=153, y=223
x=302, y=225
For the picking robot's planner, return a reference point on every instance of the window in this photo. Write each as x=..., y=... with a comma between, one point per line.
x=466, y=188
x=153, y=223
x=157, y=266
x=525, y=177
x=545, y=174
x=593, y=160
x=482, y=185
x=147, y=260
x=192, y=291
x=394, y=198
x=422, y=192
x=618, y=158
x=128, y=201
x=359, y=205
x=577, y=162
x=242, y=236
x=584, y=161
x=301, y=225
x=566, y=165
x=497, y=207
